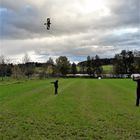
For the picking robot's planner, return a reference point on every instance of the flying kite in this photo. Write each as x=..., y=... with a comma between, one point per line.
x=48, y=23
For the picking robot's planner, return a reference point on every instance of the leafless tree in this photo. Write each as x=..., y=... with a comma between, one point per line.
x=16, y=72
x=2, y=67
x=26, y=58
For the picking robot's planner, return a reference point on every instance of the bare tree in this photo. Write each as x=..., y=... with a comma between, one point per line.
x=2, y=66
x=26, y=58
x=16, y=72
x=28, y=67
x=2, y=59
x=73, y=68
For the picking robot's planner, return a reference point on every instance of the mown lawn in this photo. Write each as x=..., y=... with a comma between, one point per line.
x=84, y=109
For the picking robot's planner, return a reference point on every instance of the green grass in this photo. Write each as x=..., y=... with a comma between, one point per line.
x=108, y=68
x=84, y=109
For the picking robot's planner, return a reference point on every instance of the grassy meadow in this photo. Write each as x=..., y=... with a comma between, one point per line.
x=108, y=68
x=84, y=109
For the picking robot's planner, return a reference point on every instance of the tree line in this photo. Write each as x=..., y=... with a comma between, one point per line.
x=126, y=62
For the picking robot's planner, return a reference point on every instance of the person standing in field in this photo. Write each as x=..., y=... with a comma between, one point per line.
x=138, y=91
x=55, y=86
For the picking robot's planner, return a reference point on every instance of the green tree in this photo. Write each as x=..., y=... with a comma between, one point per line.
x=124, y=63
x=137, y=65
x=130, y=62
x=89, y=66
x=63, y=65
x=82, y=67
x=118, y=69
x=50, y=61
x=73, y=68
x=97, y=66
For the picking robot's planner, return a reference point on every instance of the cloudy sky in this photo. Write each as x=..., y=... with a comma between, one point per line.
x=79, y=28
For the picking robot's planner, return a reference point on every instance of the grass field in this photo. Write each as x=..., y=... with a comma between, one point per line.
x=108, y=68
x=84, y=109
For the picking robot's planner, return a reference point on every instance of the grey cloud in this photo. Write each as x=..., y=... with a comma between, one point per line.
x=72, y=32
x=66, y=20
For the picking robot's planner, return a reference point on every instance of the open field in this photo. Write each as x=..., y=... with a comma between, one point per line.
x=84, y=109
x=108, y=68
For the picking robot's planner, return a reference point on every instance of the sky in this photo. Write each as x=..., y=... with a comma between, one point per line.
x=79, y=28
